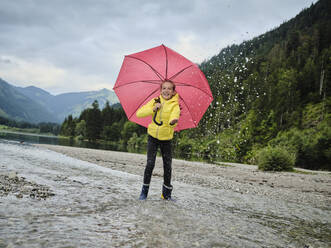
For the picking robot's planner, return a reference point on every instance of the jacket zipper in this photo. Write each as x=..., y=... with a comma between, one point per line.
x=160, y=119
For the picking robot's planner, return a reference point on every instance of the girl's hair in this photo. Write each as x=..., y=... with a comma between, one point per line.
x=168, y=81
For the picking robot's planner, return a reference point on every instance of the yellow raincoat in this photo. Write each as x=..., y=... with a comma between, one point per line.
x=169, y=111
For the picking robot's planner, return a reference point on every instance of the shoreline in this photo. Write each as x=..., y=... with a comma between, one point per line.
x=310, y=188
x=28, y=133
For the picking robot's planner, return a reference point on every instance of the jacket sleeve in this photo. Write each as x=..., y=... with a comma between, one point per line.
x=146, y=110
x=175, y=113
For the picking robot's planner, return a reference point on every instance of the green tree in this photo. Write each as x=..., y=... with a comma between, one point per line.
x=93, y=122
x=68, y=127
x=128, y=130
x=107, y=114
x=81, y=129
x=112, y=133
x=285, y=95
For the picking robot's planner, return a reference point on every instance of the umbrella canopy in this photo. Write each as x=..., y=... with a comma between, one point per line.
x=142, y=74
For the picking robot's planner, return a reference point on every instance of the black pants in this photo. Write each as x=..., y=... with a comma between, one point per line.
x=152, y=147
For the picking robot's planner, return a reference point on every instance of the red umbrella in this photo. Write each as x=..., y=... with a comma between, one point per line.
x=142, y=73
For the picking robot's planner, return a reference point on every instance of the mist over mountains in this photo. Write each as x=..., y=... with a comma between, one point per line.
x=32, y=104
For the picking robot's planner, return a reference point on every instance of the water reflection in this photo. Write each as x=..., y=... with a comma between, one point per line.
x=54, y=140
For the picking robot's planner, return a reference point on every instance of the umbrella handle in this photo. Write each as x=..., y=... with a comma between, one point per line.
x=154, y=119
x=157, y=100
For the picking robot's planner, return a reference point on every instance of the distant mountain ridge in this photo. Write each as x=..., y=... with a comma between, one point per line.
x=15, y=105
x=33, y=104
x=74, y=103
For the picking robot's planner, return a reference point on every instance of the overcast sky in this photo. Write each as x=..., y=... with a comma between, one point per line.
x=77, y=45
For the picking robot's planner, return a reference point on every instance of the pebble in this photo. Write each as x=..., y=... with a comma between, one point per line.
x=12, y=175
x=19, y=195
x=11, y=183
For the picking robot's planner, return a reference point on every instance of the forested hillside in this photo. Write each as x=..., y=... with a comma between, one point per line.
x=274, y=86
x=281, y=71
x=16, y=106
x=272, y=91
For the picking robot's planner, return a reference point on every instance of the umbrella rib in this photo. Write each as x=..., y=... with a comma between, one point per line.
x=166, y=54
x=189, y=85
x=194, y=121
x=155, y=71
x=139, y=81
x=180, y=72
x=142, y=103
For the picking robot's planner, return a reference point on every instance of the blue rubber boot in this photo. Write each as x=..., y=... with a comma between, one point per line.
x=144, y=192
x=166, y=192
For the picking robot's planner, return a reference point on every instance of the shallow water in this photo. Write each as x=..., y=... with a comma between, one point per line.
x=95, y=206
x=54, y=140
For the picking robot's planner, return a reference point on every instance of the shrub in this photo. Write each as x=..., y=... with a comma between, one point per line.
x=311, y=146
x=137, y=143
x=275, y=159
x=184, y=148
x=251, y=156
x=227, y=151
x=209, y=151
x=317, y=153
x=293, y=139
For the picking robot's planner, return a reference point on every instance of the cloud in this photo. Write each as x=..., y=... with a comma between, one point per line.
x=60, y=45
x=26, y=73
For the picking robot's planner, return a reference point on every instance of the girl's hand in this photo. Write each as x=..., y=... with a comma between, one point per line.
x=156, y=107
x=173, y=122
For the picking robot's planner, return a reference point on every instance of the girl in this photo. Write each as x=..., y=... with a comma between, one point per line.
x=160, y=133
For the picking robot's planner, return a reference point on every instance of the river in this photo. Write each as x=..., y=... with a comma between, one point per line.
x=33, y=138
x=94, y=206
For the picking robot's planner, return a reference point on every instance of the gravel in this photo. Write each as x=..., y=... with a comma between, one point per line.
x=303, y=186
x=11, y=183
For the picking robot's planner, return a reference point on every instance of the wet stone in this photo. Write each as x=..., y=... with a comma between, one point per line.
x=12, y=175
x=11, y=183
x=19, y=195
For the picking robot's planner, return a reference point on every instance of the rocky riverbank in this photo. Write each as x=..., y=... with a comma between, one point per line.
x=55, y=196
x=311, y=187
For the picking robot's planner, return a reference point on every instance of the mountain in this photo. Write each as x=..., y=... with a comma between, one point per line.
x=37, y=94
x=35, y=105
x=17, y=106
x=74, y=103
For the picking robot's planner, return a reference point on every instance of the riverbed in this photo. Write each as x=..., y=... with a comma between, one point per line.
x=77, y=197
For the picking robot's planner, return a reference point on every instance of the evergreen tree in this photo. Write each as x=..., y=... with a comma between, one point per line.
x=93, y=122
x=107, y=114
x=68, y=127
